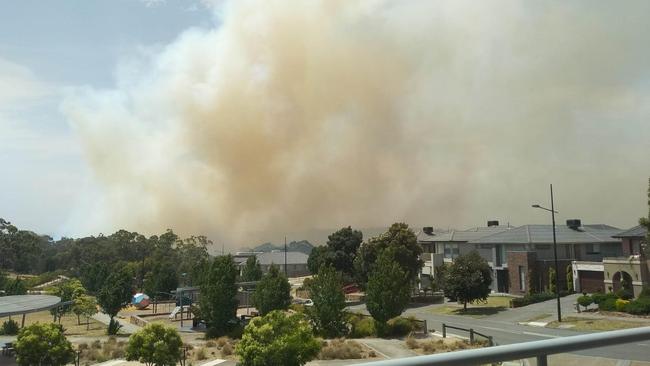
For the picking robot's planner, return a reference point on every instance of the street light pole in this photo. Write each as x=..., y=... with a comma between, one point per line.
x=557, y=269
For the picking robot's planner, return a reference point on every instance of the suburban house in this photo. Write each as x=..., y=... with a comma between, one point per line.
x=441, y=247
x=612, y=270
x=521, y=256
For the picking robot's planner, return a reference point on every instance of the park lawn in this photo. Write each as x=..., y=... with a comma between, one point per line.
x=69, y=323
x=493, y=305
x=586, y=324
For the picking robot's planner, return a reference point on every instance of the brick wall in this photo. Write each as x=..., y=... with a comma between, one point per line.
x=526, y=260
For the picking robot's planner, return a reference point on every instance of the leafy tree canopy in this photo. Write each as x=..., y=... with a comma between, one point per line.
x=116, y=292
x=277, y=339
x=272, y=292
x=155, y=344
x=403, y=245
x=252, y=270
x=43, y=344
x=329, y=302
x=468, y=279
x=218, y=304
x=388, y=291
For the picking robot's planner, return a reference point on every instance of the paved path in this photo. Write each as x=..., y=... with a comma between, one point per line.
x=387, y=348
x=505, y=329
x=127, y=327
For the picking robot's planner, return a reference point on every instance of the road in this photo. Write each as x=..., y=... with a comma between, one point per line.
x=504, y=328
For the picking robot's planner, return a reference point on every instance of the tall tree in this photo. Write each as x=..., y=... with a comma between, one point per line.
x=388, y=291
x=329, y=301
x=403, y=245
x=252, y=270
x=67, y=291
x=272, y=292
x=319, y=257
x=344, y=245
x=86, y=306
x=645, y=222
x=468, y=279
x=218, y=305
x=115, y=294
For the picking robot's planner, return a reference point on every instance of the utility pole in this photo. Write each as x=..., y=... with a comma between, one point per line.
x=285, y=256
x=557, y=270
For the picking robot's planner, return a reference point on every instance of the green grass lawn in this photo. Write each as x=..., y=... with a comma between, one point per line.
x=493, y=305
x=586, y=324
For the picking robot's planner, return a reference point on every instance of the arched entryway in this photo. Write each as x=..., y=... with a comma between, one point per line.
x=622, y=280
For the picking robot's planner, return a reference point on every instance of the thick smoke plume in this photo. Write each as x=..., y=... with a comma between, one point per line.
x=293, y=115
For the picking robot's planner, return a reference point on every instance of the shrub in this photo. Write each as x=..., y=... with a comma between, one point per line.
x=411, y=343
x=155, y=344
x=211, y=344
x=222, y=341
x=600, y=297
x=200, y=354
x=585, y=300
x=226, y=350
x=363, y=328
x=10, y=327
x=340, y=349
x=400, y=326
x=621, y=304
x=609, y=304
x=624, y=294
x=640, y=306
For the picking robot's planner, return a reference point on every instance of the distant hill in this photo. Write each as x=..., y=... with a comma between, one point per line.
x=302, y=246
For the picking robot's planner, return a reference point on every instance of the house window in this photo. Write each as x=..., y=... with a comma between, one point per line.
x=593, y=248
x=500, y=254
x=451, y=251
x=522, y=278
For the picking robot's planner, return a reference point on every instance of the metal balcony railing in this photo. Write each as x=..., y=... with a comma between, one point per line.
x=538, y=349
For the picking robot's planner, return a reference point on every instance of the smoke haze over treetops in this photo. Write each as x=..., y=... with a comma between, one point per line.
x=296, y=115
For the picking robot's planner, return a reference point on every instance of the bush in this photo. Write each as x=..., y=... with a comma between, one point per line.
x=585, y=300
x=200, y=354
x=340, y=349
x=621, y=304
x=9, y=327
x=364, y=327
x=411, y=343
x=531, y=299
x=400, y=326
x=624, y=294
x=640, y=306
x=226, y=350
x=609, y=304
x=600, y=297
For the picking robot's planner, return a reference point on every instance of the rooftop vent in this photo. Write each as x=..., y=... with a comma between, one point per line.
x=574, y=224
x=493, y=223
x=428, y=230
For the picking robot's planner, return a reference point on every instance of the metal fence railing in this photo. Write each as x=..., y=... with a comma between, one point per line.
x=538, y=349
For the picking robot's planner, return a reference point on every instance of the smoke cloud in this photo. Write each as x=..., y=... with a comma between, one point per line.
x=290, y=116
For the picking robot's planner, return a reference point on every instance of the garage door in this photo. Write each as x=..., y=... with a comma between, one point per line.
x=592, y=281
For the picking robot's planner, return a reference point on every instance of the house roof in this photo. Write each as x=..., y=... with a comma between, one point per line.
x=278, y=258
x=463, y=235
x=529, y=234
x=635, y=232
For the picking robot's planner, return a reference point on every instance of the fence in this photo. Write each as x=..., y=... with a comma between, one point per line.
x=472, y=334
x=538, y=349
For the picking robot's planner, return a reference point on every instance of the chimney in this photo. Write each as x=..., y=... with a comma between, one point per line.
x=574, y=224
x=428, y=230
x=493, y=223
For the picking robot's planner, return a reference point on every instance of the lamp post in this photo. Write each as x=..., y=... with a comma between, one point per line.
x=557, y=270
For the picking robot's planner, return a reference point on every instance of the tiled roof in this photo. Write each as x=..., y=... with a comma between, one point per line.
x=544, y=234
x=464, y=235
x=635, y=232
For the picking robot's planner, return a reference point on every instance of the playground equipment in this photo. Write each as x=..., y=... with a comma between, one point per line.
x=140, y=301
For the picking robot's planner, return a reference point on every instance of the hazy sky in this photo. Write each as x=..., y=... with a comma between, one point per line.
x=249, y=120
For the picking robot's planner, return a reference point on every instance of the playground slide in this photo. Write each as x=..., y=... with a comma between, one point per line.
x=174, y=312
